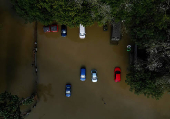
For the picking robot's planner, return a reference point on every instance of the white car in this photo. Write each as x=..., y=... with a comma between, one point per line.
x=82, y=32
x=94, y=77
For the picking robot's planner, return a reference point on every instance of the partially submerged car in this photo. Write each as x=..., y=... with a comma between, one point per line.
x=105, y=27
x=63, y=30
x=115, y=33
x=50, y=28
x=68, y=90
x=83, y=74
x=46, y=29
x=54, y=28
x=82, y=32
x=94, y=77
x=117, y=74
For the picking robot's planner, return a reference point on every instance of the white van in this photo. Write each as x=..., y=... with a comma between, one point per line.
x=82, y=32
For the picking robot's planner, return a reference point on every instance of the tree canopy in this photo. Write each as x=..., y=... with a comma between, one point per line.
x=10, y=105
x=149, y=29
x=68, y=12
x=143, y=82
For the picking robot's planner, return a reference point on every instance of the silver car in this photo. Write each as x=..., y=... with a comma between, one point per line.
x=94, y=75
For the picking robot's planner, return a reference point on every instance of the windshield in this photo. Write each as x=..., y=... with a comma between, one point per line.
x=82, y=76
x=117, y=72
x=63, y=31
x=82, y=34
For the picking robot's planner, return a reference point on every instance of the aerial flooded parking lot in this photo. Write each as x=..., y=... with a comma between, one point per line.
x=59, y=61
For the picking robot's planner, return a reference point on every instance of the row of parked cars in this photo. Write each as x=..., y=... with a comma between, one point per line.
x=94, y=78
x=115, y=31
x=54, y=28
x=93, y=74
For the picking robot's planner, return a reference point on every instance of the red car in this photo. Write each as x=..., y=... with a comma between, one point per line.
x=117, y=74
x=52, y=28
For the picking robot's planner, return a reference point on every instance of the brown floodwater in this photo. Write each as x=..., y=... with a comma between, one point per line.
x=59, y=60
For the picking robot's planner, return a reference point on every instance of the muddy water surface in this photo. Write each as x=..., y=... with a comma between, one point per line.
x=16, y=44
x=59, y=62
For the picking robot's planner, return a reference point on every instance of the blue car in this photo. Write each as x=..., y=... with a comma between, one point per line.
x=68, y=90
x=63, y=31
x=83, y=74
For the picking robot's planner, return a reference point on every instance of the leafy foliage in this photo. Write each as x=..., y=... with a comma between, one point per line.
x=148, y=22
x=28, y=101
x=68, y=12
x=143, y=82
x=10, y=105
x=148, y=27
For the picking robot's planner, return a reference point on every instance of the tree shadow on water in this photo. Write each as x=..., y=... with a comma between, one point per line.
x=45, y=91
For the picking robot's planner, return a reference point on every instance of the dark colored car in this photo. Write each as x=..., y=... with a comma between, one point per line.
x=117, y=74
x=52, y=28
x=46, y=29
x=68, y=90
x=115, y=33
x=63, y=31
x=105, y=27
x=83, y=74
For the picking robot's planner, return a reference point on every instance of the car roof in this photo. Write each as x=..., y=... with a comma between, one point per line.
x=83, y=70
x=82, y=29
x=46, y=28
x=54, y=28
x=94, y=75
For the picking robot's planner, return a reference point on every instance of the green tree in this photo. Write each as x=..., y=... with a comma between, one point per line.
x=143, y=82
x=10, y=105
x=164, y=82
x=28, y=101
x=68, y=12
x=147, y=27
x=148, y=22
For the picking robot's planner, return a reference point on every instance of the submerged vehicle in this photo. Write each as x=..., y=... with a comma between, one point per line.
x=117, y=74
x=63, y=30
x=82, y=32
x=115, y=33
x=54, y=28
x=50, y=28
x=68, y=90
x=83, y=74
x=105, y=27
x=94, y=75
x=46, y=29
